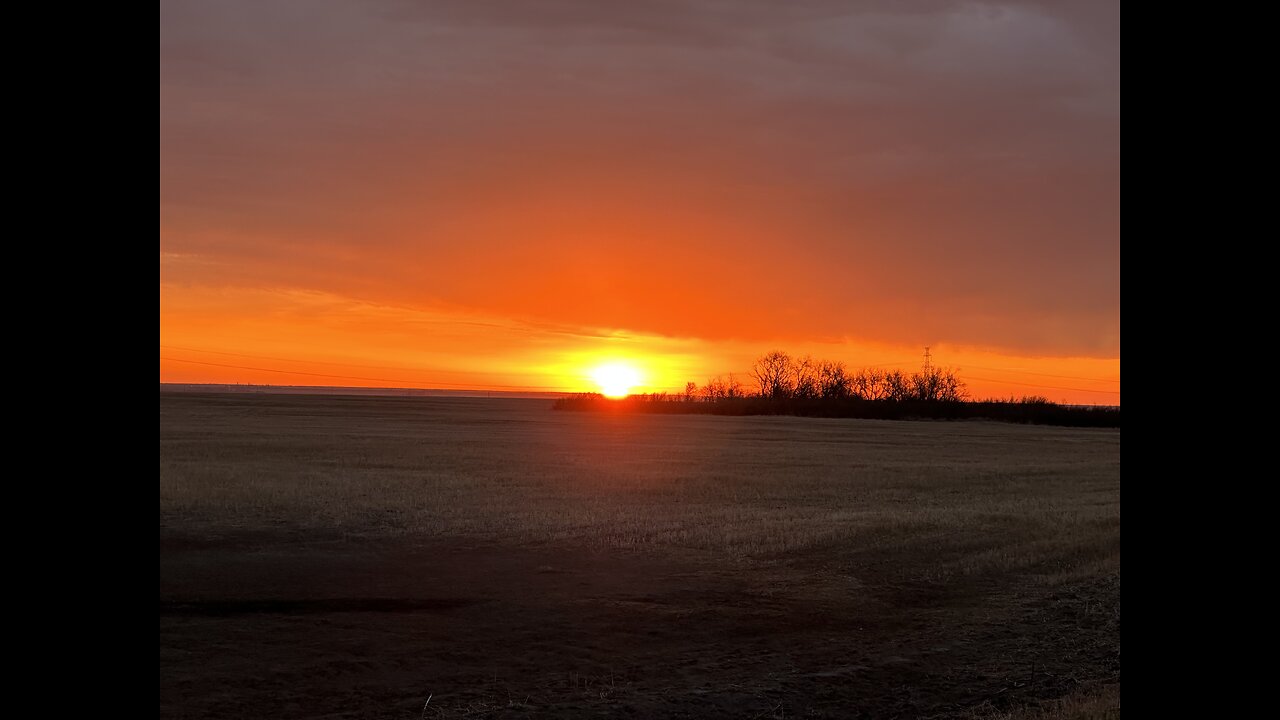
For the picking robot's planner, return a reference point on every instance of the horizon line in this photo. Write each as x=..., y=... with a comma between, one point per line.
x=469, y=392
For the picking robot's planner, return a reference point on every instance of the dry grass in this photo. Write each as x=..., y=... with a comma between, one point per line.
x=720, y=566
x=973, y=498
x=1093, y=704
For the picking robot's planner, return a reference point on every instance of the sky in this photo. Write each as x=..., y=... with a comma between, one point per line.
x=501, y=194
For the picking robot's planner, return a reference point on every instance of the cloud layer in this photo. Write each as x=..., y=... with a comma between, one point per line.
x=947, y=172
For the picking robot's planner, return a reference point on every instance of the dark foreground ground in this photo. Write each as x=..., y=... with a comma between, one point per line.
x=353, y=558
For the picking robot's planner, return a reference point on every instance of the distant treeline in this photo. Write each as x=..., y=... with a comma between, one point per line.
x=779, y=376
x=1035, y=411
x=785, y=385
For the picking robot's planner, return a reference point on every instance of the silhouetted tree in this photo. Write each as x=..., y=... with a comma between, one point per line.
x=804, y=377
x=781, y=379
x=937, y=385
x=780, y=376
x=733, y=388
x=897, y=386
x=772, y=373
x=868, y=384
x=833, y=381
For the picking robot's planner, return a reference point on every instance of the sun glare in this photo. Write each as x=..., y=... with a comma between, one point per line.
x=616, y=379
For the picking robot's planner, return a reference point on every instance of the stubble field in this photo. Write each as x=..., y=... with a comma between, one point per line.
x=345, y=557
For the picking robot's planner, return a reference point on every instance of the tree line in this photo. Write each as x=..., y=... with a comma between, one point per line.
x=782, y=384
x=780, y=376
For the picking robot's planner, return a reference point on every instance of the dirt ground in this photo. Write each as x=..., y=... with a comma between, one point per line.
x=264, y=614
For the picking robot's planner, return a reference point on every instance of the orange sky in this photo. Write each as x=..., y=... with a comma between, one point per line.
x=498, y=195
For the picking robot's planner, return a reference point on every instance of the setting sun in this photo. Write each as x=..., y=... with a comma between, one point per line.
x=616, y=379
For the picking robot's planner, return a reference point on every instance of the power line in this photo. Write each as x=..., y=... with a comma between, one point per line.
x=356, y=377
x=1050, y=387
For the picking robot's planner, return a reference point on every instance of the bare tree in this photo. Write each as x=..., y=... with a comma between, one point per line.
x=733, y=388
x=938, y=385
x=772, y=373
x=778, y=375
x=833, y=381
x=897, y=386
x=868, y=384
x=951, y=388
x=690, y=390
x=804, y=377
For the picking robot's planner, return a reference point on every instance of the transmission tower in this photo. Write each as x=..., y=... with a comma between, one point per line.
x=928, y=360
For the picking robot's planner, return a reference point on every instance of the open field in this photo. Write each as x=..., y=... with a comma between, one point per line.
x=353, y=557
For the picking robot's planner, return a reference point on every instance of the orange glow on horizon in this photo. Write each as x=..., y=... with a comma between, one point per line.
x=300, y=338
